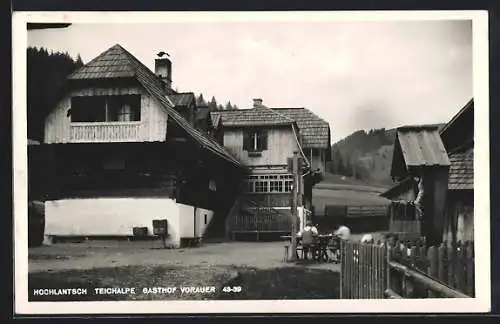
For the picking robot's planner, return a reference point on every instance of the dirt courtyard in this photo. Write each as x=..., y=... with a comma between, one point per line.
x=256, y=267
x=102, y=254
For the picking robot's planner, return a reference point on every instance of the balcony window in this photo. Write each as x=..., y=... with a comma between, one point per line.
x=124, y=108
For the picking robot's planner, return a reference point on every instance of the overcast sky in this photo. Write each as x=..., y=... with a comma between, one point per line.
x=355, y=75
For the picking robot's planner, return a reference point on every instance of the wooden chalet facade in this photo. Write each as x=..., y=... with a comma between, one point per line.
x=122, y=149
x=264, y=139
x=448, y=157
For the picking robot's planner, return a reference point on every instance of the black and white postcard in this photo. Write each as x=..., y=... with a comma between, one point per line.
x=251, y=162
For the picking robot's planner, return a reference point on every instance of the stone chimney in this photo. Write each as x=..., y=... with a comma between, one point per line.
x=257, y=102
x=163, y=68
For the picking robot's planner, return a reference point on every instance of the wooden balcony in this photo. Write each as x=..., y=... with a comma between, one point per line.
x=104, y=132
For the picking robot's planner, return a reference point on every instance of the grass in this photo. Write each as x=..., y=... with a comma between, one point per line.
x=285, y=283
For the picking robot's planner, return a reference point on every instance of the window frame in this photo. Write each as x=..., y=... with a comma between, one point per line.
x=255, y=140
x=269, y=184
x=112, y=105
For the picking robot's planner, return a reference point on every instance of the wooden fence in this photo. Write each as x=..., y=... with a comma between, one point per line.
x=443, y=271
x=363, y=271
x=406, y=271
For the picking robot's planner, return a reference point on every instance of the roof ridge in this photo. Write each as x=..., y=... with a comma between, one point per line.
x=105, y=52
x=277, y=113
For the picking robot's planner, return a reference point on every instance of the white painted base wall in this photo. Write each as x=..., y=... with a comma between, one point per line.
x=118, y=217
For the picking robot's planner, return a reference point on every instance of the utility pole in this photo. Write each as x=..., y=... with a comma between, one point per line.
x=295, y=172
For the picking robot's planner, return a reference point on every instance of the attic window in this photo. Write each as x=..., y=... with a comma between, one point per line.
x=123, y=108
x=255, y=140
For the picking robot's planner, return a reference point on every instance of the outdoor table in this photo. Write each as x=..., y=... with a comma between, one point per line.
x=320, y=247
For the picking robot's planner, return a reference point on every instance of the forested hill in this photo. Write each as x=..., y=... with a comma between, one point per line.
x=365, y=155
x=46, y=73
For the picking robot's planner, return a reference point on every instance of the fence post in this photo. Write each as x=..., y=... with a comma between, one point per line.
x=451, y=265
x=460, y=267
x=342, y=272
x=441, y=264
x=432, y=257
x=470, y=290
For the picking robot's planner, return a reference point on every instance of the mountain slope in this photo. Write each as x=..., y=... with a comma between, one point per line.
x=366, y=155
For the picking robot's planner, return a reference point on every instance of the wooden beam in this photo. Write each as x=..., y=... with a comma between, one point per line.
x=427, y=282
x=389, y=293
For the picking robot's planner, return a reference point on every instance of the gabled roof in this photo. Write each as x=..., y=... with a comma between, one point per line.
x=182, y=99
x=215, y=118
x=314, y=131
x=421, y=146
x=469, y=107
x=259, y=116
x=117, y=62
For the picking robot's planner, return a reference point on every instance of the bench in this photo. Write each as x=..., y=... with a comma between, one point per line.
x=287, y=249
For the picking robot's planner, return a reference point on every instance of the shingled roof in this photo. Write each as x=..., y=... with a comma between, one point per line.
x=259, y=116
x=117, y=62
x=461, y=174
x=314, y=131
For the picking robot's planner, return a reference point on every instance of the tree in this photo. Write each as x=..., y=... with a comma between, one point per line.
x=200, y=101
x=220, y=107
x=46, y=76
x=212, y=105
x=228, y=106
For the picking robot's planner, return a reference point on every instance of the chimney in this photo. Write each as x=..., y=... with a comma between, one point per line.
x=163, y=68
x=257, y=102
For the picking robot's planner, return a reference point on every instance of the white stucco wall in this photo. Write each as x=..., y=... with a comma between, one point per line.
x=110, y=216
x=118, y=216
x=186, y=221
x=200, y=220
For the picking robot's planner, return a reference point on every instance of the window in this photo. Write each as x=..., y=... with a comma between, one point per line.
x=124, y=108
x=269, y=183
x=254, y=140
x=206, y=220
x=276, y=186
x=261, y=186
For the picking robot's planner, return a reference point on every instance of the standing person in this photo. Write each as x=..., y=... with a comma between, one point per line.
x=308, y=235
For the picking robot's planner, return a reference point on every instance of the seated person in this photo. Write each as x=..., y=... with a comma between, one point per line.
x=308, y=235
x=343, y=232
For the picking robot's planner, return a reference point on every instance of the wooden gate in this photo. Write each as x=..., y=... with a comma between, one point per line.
x=363, y=271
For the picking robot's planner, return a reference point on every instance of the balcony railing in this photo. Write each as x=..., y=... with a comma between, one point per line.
x=104, y=132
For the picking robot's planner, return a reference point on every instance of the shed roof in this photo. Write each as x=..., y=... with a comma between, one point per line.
x=117, y=62
x=421, y=146
x=314, y=131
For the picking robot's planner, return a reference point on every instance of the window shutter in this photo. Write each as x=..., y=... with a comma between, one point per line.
x=247, y=141
x=262, y=140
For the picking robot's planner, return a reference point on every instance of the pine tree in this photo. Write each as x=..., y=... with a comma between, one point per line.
x=79, y=61
x=212, y=105
x=220, y=107
x=46, y=74
x=200, y=101
x=228, y=106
